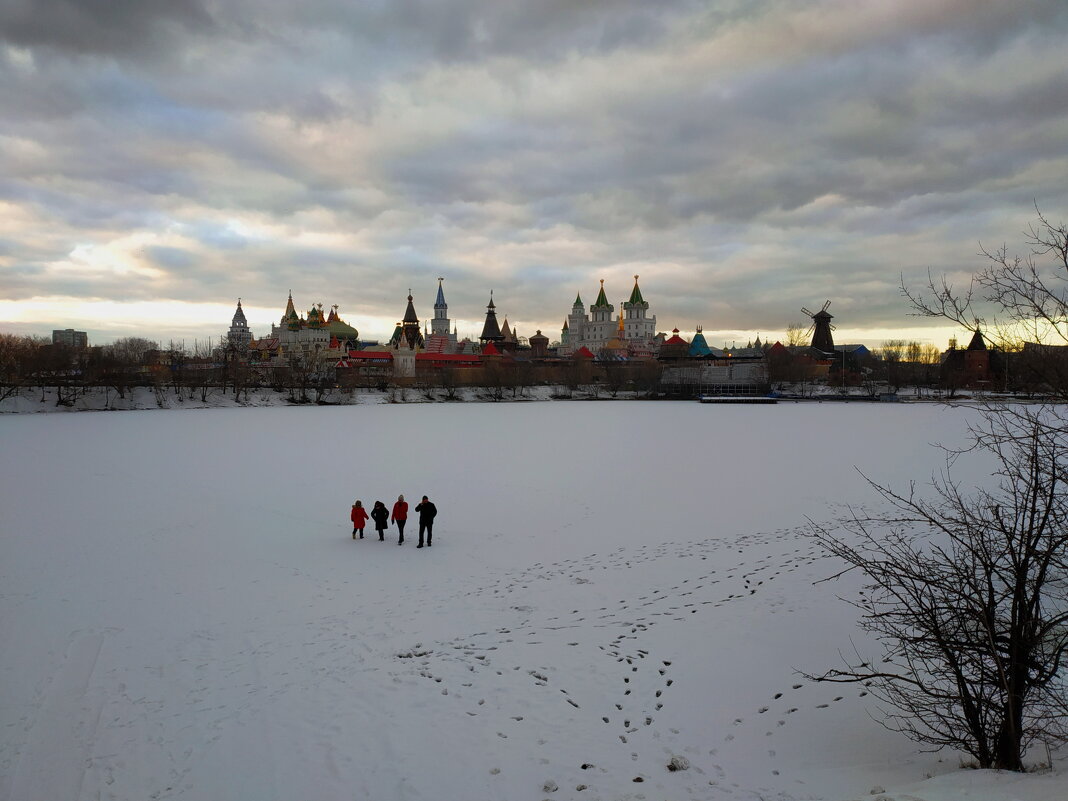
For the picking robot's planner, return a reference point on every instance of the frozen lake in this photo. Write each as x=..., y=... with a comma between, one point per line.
x=185, y=614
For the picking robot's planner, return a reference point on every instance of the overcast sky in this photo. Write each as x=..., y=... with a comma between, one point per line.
x=160, y=159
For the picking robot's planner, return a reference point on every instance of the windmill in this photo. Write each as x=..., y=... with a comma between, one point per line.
x=821, y=328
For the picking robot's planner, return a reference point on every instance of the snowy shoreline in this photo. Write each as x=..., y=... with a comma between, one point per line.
x=102, y=399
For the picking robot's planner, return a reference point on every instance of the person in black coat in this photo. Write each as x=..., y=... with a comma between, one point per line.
x=380, y=514
x=427, y=511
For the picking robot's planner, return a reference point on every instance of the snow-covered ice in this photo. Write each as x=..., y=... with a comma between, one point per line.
x=614, y=588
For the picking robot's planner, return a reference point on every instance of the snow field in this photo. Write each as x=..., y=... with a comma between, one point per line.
x=611, y=585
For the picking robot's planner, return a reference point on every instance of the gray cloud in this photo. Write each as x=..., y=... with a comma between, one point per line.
x=114, y=27
x=744, y=158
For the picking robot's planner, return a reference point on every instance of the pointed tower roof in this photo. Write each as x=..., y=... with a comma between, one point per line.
x=491, y=330
x=409, y=313
x=506, y=332
x=410, y=333
x=698, y=345
x=439, y=303
x=977, y=343
x=602, y=301
x=239, y=316
x=333, y=318
x=578, y=300
x=315, y=317
x=565, y=324
x=636, y=294
x=289, y=316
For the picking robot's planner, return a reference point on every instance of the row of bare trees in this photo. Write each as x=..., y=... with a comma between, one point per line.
x=34, y=363
x=498, y=380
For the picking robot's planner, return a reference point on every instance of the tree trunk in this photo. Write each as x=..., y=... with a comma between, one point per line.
x=1007, y=755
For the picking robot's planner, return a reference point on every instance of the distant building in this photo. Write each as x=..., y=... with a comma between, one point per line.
x=300, y=336
x=239, y=336
x=78, y=340
x=539, y=345
x=441, y=339
x=975, y=367
x=407, y=341
x=595, y=330
x=491, y=330
x=675, y=347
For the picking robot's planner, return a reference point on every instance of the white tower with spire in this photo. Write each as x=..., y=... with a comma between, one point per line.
x=440, y=323
x=638, y=325
x=441, y=339
x=574, y=327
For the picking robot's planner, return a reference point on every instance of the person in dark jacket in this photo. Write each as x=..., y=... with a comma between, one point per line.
x=359, y=519
x=427, y=511
x=400, y=516
x=380, y=514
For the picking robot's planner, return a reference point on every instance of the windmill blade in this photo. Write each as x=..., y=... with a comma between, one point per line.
x=833, y=327
x=825, y=305
x=811, y=328
x=806, y=311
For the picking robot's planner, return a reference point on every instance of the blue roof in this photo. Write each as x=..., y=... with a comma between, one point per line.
x=698, y=346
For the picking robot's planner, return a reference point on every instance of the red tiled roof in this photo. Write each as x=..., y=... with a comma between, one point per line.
x=436, y=343
x=465, y=358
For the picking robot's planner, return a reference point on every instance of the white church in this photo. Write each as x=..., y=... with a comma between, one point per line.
x=634, y=330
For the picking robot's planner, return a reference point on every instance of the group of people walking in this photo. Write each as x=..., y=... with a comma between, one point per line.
x=380, y=515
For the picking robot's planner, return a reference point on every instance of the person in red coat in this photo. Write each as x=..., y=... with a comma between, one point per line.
x=400, y=517
x=359, y=519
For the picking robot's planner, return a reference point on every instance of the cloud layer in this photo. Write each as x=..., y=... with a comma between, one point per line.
x=745, y=158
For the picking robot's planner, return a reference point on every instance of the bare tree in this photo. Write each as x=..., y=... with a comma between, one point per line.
x=797, y=335
x=929, y=359
x=967, y=592
x=450, y=382
x=891, y=352
x=130, y=350
x=1014, y=299
x=17, y=362
x=647, y=377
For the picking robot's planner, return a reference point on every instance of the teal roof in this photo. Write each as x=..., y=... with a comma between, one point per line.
x=698, y=346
